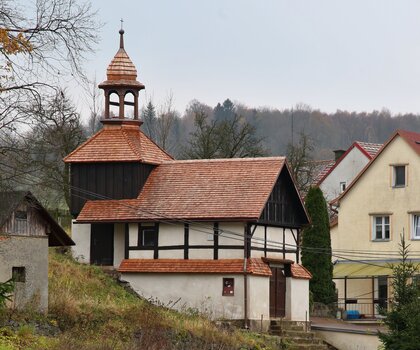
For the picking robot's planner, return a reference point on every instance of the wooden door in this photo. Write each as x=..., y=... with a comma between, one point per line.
x=102, y=244
x=277, y=293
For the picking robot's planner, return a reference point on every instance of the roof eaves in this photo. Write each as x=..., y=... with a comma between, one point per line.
x=89, y=140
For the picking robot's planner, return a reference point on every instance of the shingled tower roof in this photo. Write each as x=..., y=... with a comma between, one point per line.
x=121, y=70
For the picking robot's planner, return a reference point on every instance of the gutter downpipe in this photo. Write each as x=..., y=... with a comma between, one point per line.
x=246, y=278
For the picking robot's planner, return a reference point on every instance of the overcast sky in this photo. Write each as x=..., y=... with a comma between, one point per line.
x=357, y=55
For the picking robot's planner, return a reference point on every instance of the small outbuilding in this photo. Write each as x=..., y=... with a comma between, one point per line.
x=26, y=232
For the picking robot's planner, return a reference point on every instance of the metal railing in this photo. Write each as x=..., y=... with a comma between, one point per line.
x=367, y=307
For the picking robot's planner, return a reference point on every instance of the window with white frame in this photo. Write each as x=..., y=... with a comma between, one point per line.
x=398, y=176
x=342, y=187
x=381, y=227
x=415, y=226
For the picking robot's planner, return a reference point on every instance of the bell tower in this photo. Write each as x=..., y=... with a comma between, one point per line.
x=120, y=84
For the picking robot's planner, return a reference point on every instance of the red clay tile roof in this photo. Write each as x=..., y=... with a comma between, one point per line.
x=368, y=149
x=255, y=266
x=413, y=140
x=118, y=143
x=321, y=168
x=371, y=148
x=195, y=189
x=300, y=272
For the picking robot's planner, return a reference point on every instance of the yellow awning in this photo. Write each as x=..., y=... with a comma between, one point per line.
x=361, y=270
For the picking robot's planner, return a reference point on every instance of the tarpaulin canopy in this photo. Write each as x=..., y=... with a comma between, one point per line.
x=358, y=270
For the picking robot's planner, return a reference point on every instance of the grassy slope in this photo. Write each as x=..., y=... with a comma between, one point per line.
x=94, y=312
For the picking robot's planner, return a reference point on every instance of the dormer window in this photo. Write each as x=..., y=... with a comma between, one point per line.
x=342, y=187
x=399, y=176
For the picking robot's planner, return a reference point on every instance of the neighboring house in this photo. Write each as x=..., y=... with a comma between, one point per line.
x=26, y=232
x=379, y=206
x=334, y=179
x=218, y=235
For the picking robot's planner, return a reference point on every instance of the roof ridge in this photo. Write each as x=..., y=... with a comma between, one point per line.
x=369, y=143
x=169, y=155
x=137, y=152
x=216, y=160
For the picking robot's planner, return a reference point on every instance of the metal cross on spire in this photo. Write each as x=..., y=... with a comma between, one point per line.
x=121, y=34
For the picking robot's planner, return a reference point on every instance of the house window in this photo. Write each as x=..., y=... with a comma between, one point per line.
x=21, y=220
x=18, y=274
x=381, y=227
x=147, y=236
x=398, y=176
x=342, y=187
x=415, y=226
x=228, y=287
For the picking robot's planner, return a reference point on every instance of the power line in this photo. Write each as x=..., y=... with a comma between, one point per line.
x=339, y=253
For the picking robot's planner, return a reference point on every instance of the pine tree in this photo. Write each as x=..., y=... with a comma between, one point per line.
x=316, y=248
x=149, y=119
x=403, y=318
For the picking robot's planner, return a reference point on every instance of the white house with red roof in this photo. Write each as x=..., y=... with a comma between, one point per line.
x=336, y=176
x=218, y=235
x=377, y=208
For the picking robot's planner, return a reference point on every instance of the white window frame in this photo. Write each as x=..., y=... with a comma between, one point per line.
x=343, y=186
x=415, y=221
x=382, y=225
x=394, y=176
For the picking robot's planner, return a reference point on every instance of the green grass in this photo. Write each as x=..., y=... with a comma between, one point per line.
x=93, y=312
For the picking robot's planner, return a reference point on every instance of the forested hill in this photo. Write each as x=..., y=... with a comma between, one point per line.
x=327, y=131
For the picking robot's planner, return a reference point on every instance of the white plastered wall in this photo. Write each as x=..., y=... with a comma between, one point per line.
x=258, y=297
x=119, y=244
x=233, y=235
x=80, y=233
x=32, y=254
x=200, y=291
x=345, y=171
x=204, y=293
x=297, y=299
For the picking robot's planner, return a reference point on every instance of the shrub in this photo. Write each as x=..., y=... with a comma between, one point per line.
x=6, y=290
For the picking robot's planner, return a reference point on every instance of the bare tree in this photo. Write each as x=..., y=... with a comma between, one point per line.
x=57, y=131
x=165, y=121
x=94, y=95
x=228, y=137
x=42, y=43
x=299, y=157
x=203, y=143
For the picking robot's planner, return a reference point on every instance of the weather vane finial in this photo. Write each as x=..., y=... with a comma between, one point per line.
x=122, y=22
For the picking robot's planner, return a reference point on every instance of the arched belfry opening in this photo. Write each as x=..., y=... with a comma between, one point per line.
x=121, y=88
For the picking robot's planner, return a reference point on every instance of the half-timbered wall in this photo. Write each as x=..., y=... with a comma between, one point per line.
x=283, y=207
x=33, y=225
x=188, y=241
x=274, y=242
x=110, y=180
x=199, y=240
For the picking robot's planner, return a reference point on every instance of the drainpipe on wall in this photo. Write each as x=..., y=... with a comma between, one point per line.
x=245, y=295
x=246, y=238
